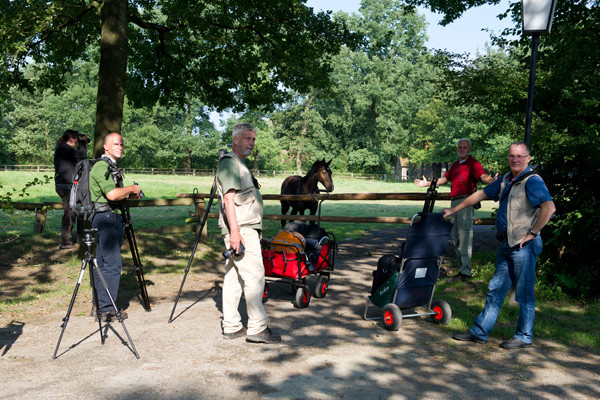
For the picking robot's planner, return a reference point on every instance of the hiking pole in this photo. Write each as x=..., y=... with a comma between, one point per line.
x=135, y=255
x=213, y=192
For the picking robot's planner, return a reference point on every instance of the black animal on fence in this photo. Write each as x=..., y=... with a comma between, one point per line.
x=297, y=184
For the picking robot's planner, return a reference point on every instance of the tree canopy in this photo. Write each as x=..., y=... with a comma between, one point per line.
x=236, y=53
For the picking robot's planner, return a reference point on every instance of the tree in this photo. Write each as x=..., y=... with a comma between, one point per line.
x=565, y=137
x=379, y=87
x=234, y=53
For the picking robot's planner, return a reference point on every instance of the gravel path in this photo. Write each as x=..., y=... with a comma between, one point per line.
x=328, y=350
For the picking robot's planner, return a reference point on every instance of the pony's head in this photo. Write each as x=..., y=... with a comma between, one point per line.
x=323, y=173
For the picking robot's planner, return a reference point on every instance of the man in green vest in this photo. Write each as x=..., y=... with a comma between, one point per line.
x=240, y=220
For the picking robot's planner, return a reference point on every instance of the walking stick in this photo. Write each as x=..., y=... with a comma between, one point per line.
x=213, y=192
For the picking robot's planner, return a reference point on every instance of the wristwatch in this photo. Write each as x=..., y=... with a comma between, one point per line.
x=530, y=232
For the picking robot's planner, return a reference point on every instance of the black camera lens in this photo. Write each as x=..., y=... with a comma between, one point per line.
x=141, y=195
x=231, y=252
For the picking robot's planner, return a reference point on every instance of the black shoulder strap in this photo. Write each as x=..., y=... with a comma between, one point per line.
x=519, y=179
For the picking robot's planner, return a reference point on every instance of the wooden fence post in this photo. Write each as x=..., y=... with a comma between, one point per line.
x=200, y=210
x=40, y=220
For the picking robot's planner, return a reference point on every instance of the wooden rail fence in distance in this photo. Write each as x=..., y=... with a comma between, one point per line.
x=198, y=200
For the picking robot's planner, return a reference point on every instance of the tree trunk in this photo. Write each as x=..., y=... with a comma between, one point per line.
x=187, y=160
x=112, y=72
x=298, y=163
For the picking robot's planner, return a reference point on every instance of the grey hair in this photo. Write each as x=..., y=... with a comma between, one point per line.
x=464, y=140
x=527, y=148
x=239, y=128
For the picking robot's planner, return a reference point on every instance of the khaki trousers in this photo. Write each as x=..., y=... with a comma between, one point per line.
x=462, y=236
x=244, y=274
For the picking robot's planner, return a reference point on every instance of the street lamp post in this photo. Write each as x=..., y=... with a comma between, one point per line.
x=537, y=20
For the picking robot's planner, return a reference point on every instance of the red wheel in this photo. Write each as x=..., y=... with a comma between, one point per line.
x=302, y=297
x=321, y=286
x=442, y=312
x=265, y=297
x=392, y=317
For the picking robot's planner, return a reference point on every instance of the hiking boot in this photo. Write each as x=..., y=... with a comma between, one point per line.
x=265, y=336
x=468, y=337
x=514, y=343
x=458, y=278
x=235, y=335
x=108, y=316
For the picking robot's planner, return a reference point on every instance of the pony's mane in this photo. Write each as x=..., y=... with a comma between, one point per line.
x=316, y=164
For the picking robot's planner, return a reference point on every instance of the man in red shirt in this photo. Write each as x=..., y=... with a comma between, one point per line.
x=463, y=176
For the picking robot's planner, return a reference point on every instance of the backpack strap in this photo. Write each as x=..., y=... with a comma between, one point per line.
x=519, y=179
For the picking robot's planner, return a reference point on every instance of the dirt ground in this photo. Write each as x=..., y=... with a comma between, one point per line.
x=328, y=350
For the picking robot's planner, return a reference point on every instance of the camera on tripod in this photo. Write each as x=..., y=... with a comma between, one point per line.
x=231, y=252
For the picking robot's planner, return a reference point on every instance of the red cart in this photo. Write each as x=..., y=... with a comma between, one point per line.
x=295, y=264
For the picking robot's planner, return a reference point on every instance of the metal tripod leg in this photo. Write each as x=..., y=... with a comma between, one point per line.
x=94, y=266
x=135, y=255
x=213, y=192
x=112, y=302
x=66, y=318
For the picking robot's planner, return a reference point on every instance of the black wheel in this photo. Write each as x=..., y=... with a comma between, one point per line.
x=443, y=312
x=392, y=317
x=265, y=293
x=321, y=286
x=302, y=297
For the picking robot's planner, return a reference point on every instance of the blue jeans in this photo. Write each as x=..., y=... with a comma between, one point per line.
x=108, y=257
x=513, y=266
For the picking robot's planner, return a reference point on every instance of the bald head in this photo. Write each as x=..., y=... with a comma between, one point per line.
x=113, y=146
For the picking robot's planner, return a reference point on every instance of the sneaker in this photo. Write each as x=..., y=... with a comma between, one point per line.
x=458, y=278
x=514, y=343
x=65, y=246
x=468, y=337
x=266, y=336
x=235, y=335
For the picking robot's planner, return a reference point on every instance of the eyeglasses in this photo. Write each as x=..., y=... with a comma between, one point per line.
x=511, y=157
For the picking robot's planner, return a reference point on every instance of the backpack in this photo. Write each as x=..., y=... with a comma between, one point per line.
x=81, y=201
x=387, y=265
x=288, y=242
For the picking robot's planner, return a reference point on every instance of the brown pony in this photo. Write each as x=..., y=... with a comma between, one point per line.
x=297, y=184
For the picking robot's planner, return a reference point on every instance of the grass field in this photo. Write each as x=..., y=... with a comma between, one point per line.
x=166, y=186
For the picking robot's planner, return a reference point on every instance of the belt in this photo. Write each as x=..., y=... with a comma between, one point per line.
x=458, y=197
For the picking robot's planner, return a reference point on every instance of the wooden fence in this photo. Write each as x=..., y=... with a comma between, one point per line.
x=198, y=200
x=192, y=171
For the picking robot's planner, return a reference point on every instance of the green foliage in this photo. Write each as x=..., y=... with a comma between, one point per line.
x=566, y=142
x=363, y=120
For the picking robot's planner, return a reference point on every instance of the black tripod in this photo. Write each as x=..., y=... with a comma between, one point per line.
x=135, y=255
x=213, y=192
x=90, y=259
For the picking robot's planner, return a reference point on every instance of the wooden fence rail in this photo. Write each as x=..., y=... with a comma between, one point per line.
x=186, y=171
x=198, y=200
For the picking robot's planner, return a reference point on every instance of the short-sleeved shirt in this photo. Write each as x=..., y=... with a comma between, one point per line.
x=470, y=171
x=229, y=178
x=100, y=185
x=535, y=189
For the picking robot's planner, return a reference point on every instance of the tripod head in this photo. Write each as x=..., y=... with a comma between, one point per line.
x=89, y=237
